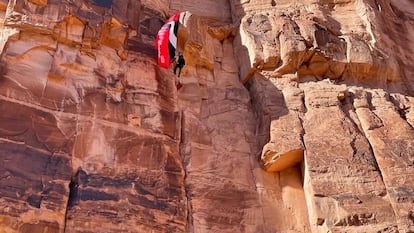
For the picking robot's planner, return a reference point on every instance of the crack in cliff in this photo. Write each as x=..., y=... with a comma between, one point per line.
x=72, y=195
x=303, y=131
x=185, y=162
x=70, y=202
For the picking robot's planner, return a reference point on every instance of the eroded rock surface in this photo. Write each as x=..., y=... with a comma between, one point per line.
x=344, y=85
x=294, y=116
x=90, y=127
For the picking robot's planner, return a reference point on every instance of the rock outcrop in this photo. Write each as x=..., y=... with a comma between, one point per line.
x=341, y=98
x=294, y=116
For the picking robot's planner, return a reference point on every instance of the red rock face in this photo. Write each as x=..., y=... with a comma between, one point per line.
x=293, y=117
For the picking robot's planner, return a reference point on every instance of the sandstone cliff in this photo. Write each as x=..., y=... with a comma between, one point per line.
x=295, y=116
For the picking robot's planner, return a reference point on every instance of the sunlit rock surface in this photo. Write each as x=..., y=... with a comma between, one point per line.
x=294, y=116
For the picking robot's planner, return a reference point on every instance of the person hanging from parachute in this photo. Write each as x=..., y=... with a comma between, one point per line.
x=166, y=44
x=180, y=62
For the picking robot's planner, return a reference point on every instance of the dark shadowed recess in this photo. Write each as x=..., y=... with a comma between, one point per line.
x=104, y=3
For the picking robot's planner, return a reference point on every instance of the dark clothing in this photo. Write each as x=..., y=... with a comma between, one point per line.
x=179, y=65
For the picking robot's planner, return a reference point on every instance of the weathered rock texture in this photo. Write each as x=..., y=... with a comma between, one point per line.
x=94, y=136
x=333, y=81
x=90, y=128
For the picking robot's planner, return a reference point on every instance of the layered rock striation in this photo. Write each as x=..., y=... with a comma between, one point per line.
x=294, y=116
x=90, y=126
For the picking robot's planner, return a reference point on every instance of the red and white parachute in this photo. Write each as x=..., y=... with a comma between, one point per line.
x=166, y=40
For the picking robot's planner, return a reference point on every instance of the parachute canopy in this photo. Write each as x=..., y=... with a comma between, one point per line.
x=166, y=40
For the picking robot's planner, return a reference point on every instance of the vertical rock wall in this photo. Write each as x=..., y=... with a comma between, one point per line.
x=90, y=129
x=227, y=190
x=342, y=98
x=294, y=116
